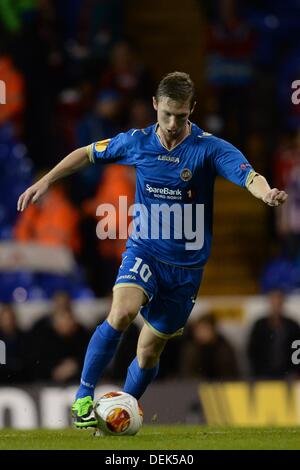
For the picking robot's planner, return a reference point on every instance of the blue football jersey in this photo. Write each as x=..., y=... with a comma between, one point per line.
x=174, y=189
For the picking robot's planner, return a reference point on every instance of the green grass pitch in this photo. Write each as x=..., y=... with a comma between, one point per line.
x=177, y=437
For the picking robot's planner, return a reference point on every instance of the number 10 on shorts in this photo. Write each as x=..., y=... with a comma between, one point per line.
x=142, y=269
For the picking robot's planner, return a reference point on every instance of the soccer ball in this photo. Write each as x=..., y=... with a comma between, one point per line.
x=118, y=414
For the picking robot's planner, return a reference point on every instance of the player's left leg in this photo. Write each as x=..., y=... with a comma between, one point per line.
x=144, y=368
x=165, y=317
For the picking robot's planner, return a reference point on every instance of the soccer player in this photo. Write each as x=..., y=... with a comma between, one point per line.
x=176, y=164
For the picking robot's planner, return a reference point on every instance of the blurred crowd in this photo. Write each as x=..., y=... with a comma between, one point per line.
x=73, y=78
x=252, y=61
x=53, y=348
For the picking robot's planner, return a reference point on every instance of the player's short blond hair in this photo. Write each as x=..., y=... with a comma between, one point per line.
x=178, y=86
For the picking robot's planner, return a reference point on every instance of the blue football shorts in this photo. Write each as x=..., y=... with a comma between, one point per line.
x=171, y=290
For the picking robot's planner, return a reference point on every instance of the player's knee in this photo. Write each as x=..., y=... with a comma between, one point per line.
x=120, y=317
x=147, y=357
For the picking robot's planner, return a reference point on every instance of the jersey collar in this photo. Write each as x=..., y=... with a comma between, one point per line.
x=179, y=143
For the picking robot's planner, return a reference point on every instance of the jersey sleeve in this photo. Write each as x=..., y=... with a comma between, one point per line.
x=115, y=150
x=230, y=163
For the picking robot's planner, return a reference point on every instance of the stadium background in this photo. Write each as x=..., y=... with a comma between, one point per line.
x=82, y=70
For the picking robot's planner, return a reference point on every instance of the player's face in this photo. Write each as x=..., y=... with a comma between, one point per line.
x=172, y=116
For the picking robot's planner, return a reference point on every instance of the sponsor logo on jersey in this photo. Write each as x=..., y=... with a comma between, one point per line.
x=168, y=158
x=101, y=145
x=127, y=276
x=163, y=192
x=186, y=174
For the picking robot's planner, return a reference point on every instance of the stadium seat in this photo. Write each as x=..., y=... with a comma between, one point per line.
x=281, y=273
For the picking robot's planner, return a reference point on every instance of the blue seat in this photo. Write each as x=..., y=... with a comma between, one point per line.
x=82, y=293
x=281, y=273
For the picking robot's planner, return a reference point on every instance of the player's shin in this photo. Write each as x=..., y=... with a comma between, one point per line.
x=138, y=378
x=100, y=351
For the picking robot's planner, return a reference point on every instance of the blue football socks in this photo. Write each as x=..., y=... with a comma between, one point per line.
x=101, y=349
x=138, y=379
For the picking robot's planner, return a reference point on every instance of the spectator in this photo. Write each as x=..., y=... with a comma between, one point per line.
x=208, y=355
x=117, y=180
x=140, y=114
x=230, y=71
x=288, y=221
x=57, y=354
x=53, y=221
x=287, y=176
x=14, y=93
x=287, y=158
x=61, y=301
x=104, y=22
x=99, y=124
x=270, y=341
x=126, y=75
x=15, y=341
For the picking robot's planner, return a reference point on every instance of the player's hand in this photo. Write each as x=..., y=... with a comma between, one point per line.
x=275, y=197
x=32, y=194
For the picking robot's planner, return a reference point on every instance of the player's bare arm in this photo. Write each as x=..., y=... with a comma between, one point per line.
x=76, y=160
x=260, y=188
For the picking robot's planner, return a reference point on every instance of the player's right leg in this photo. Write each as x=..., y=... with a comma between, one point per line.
x=126, y=304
